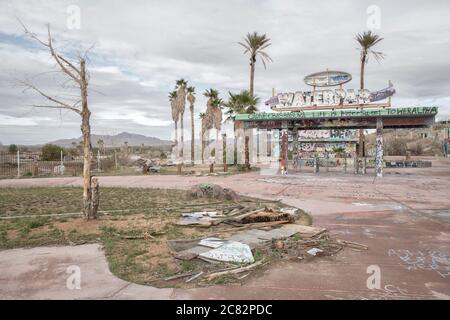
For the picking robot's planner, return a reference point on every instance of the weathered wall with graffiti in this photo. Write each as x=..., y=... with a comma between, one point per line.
x=333, y=134
x=326, y=149
x=330, y=143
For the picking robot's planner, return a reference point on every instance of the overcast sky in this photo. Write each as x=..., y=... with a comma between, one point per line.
x=142, y=47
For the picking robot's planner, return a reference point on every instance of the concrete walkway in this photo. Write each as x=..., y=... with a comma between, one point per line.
x=404, y=219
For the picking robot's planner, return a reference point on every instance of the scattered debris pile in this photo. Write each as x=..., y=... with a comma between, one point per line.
x=148, y=165
x=256, y=233
x=254, y=244
x=299, y=248
x=267, y=215
x=240, y=215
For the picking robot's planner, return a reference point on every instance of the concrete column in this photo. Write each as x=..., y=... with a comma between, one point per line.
x=224, y=155
x=356, y=164
x=284, y=146
x=247, y=152
x=263, y=146
x=379, y=149
x=295, y=147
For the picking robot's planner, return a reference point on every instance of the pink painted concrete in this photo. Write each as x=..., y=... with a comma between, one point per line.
x=406, y=211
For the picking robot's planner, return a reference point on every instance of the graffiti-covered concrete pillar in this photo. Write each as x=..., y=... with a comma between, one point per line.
x=295, y=147
x=284, y=147
x=379, y=148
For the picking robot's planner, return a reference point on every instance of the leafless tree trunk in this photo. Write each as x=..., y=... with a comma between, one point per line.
x=77, y=73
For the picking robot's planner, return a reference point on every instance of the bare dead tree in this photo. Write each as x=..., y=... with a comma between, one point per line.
x=76, y=73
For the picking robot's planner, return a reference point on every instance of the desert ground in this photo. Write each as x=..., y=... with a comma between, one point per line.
x=403, y=218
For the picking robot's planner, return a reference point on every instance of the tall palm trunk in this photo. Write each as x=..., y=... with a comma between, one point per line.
x=361, y=139
x=182, y=134
x=176, y=132
x=252, y=73
x=252, y=84
x=192, y=133
x=363, y=64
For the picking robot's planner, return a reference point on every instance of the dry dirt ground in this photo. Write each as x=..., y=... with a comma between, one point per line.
x=403, y=217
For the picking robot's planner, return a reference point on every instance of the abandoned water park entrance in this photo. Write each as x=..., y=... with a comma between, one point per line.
x=284, y=140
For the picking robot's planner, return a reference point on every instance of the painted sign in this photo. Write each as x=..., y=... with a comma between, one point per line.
x=382, y=94
x=413, y=111
x=327, y=78
x=328, y=97
x=327, y=135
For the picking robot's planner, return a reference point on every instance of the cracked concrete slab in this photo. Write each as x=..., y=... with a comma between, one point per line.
x=43, y=272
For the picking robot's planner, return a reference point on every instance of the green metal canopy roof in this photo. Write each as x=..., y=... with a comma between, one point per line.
x=388, y=112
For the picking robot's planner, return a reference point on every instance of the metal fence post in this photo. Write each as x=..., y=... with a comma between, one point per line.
x=18, y=164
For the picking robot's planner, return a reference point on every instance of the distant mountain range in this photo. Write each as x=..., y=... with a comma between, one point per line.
x=116, y=140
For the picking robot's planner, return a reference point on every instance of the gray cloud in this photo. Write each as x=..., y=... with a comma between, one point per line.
x=142, y=47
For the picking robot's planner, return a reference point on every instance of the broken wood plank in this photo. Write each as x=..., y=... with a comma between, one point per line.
x=177, y=276
x=241, y=216
x=355, y=245
x=249, y=226
x=195, y=276
x=240, y=211
x=233, y=271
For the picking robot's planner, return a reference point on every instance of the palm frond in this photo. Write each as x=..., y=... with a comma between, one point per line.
x=247, y=48
x=366, y=41
x=172, y=95
x=191, y=90
x=377, y=55
x=254, y=44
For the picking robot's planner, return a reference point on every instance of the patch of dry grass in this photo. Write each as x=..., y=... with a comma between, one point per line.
x=135, y=241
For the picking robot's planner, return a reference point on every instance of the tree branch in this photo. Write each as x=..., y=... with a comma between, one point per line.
x=58, y=61
x=69, y=64
x=58, y=107
x=32, y=35
x=57, y=57
x=61, y=104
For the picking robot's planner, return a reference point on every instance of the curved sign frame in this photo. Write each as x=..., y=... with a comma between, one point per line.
x=327, y=78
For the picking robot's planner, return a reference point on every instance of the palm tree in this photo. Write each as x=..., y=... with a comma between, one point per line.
x=205, y=125
x=212, y=117
x=101, y=145
x=175, y=114
x=180, y=105
x=191, y=98
x=254, y=44
x=366, y=40
x=242, y=102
